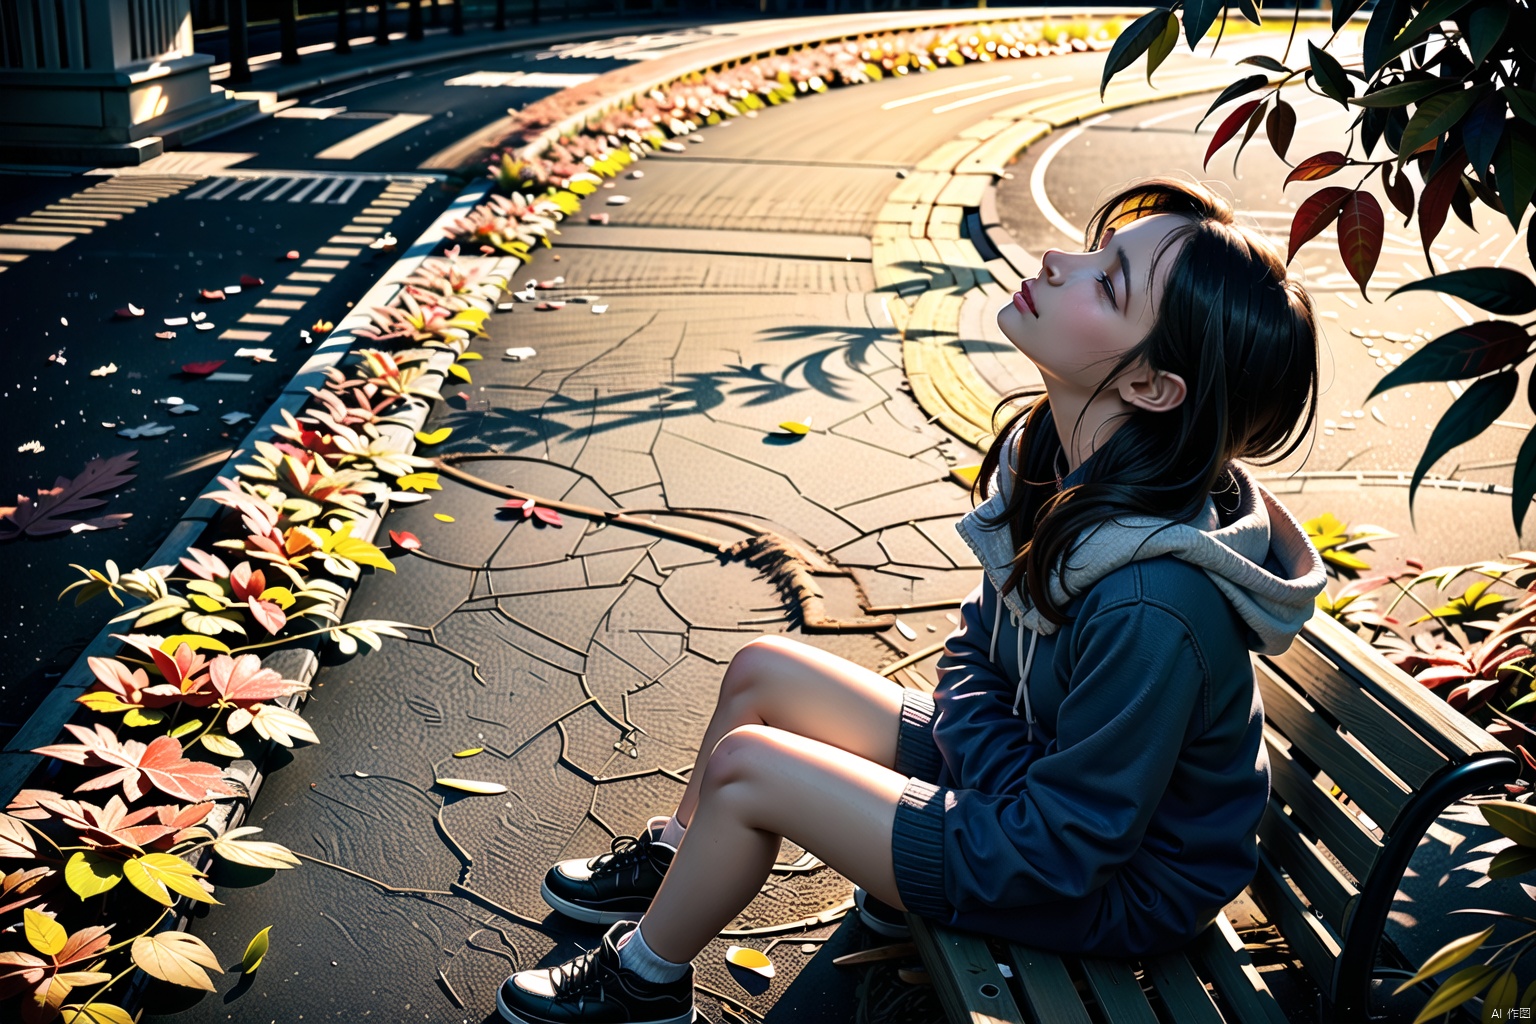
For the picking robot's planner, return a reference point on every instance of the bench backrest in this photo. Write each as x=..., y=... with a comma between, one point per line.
x=1363, y=758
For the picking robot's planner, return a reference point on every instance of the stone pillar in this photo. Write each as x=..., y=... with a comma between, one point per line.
x=102, y=82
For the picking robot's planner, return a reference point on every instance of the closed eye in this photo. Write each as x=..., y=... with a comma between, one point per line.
x=1109, y=289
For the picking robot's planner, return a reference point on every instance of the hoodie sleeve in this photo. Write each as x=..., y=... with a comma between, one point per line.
x=1056, y=824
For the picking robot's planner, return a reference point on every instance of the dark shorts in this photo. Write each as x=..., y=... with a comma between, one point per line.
x=917, y=756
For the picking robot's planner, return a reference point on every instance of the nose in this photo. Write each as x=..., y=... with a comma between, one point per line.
x=1050, y=265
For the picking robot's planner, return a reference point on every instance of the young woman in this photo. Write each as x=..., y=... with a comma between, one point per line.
x=1089, y=773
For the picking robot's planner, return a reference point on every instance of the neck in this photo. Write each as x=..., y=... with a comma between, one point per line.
x=1100, y=418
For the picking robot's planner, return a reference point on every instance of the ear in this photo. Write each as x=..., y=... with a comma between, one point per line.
x=1152, y=390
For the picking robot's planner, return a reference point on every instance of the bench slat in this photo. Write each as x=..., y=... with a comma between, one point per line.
x=961, y=965
x=1380, y=795
x=1115, y=986
x=1221, y=958
x=1181, y=989
x=1325, y=886
x=1308, y=939
x=1369, y=716
x=1320, y=813
x=1048, y=988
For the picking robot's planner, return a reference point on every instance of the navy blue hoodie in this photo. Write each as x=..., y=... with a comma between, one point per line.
x=1116, y=812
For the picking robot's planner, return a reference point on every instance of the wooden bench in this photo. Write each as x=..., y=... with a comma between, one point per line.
x=1363, y=759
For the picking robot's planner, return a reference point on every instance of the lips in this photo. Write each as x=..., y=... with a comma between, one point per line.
x=1024, y=301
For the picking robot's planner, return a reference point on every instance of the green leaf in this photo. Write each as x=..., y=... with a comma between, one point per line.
x=1468, y=416
x=1259, y=60
x=1330, y=75
x=1434, y=117
x=1400, y=94
x=1199, y=16
x=90, y=874
x=218, y=743
x=1446, y=957
x=1414, y=32
x=1523, y=486
x=1501, y=995
x=1458, y=988
x=1162, y=46
x=1522, y=102
x=44, y=934
x=1515, y=820
x=1387, y=17
x=1469, y=351
x=181, y=730
x=1241, y=87
x=1485, y=29
x=1514, y=170
x=1132, y=43
x=255, y=951
x=1497, y=289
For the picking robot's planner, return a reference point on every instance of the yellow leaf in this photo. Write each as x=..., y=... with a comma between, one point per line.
x=471, y=752
x=45, y=934
x=197, y=642
x=1457, y=989
x=420, y=482
x=965, y=476
x=144, y=716
x=455, y=370
x=218, y=743
x=232, y=846
x=103, y=701
x=473, y=786
x=1345, y=559
x=256, y=951
x=442, y=517
x=176, y=957
x=157, y=875
x=89, y=874
x=96, y=1013
x=796, y=428
x=434, y=436
x=1449, y=955
x=751, y=959
x=469, y=357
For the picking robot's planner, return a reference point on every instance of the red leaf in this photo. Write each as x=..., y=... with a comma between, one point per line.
x=203, y=565
x=250, y=281
x=53, y=511
x=1315, y=214
x=405, y=540
x=212, y=294
x=1280, y=126
x=1529, y=760
x=1319, y=166
x=202, y=369
x=1229, y=127
x=293, y=254
x=247, y=582
x=140, y=768
x=268, y=614
x=242, y=681
x=1399, y=191
x=547, y=515
x=1435, y=202
x=1361, y=228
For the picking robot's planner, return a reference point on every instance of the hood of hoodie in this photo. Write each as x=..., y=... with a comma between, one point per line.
x=1258, y=555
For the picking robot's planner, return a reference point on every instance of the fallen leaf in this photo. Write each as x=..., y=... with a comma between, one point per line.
x=171, y=400
x=547, y=515
x=293, y=254
x=165, y=335
x=35, y=447
x=420, y=482
x=471, y=752
x=597, y=218
x=55, y=509
x=184, y=409
x=255, y=952
x=603, y=308
x=150, y=429
x=232, y=289
x=260, y=355
x=547, y=306
x=322, y=327
x=800, y=429
x=617, y=200
x=202, y=369
x=206, y=325
x=405, y=540
x=442, y=517
x=434, y=436
x=102, y=371
x=128, y=312
x=456, y=370
x=473, y=786
x=519, y=354
x=251, y=281
x=751, y=959
x=235, y=417
x=212, y=294
x=198, y=317
x=965, y=476
x=905, y=630
x=175, y=321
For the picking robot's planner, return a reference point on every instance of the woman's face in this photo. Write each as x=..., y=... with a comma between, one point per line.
x=1086, y=309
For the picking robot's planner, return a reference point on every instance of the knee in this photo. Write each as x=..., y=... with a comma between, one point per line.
x=739, y=757
x=753, y=666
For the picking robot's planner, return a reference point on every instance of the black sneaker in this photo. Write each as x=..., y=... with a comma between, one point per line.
x=593, y=989
x=611, y=887
x=879, y=917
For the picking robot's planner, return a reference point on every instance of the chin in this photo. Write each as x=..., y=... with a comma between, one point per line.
x=1011, y=322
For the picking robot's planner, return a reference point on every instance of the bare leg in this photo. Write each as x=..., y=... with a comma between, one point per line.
x=788, y=685
x=761, y=784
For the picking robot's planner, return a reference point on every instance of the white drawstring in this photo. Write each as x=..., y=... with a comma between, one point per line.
x=1025, y=662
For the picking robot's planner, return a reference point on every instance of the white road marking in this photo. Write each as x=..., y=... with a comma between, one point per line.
x=1037, y=180
x=520, y=79
x=944, y=92
x=1060, y=79
x=310, y=113
x=354, y=146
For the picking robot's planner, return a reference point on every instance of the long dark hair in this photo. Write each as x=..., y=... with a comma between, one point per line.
x=1241, y=333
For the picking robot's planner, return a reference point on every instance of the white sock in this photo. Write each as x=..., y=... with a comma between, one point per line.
x=636, y=956
x=672, y=833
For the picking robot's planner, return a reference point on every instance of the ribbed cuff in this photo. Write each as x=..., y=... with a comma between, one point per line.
x=917, y=849
x=917, y=754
